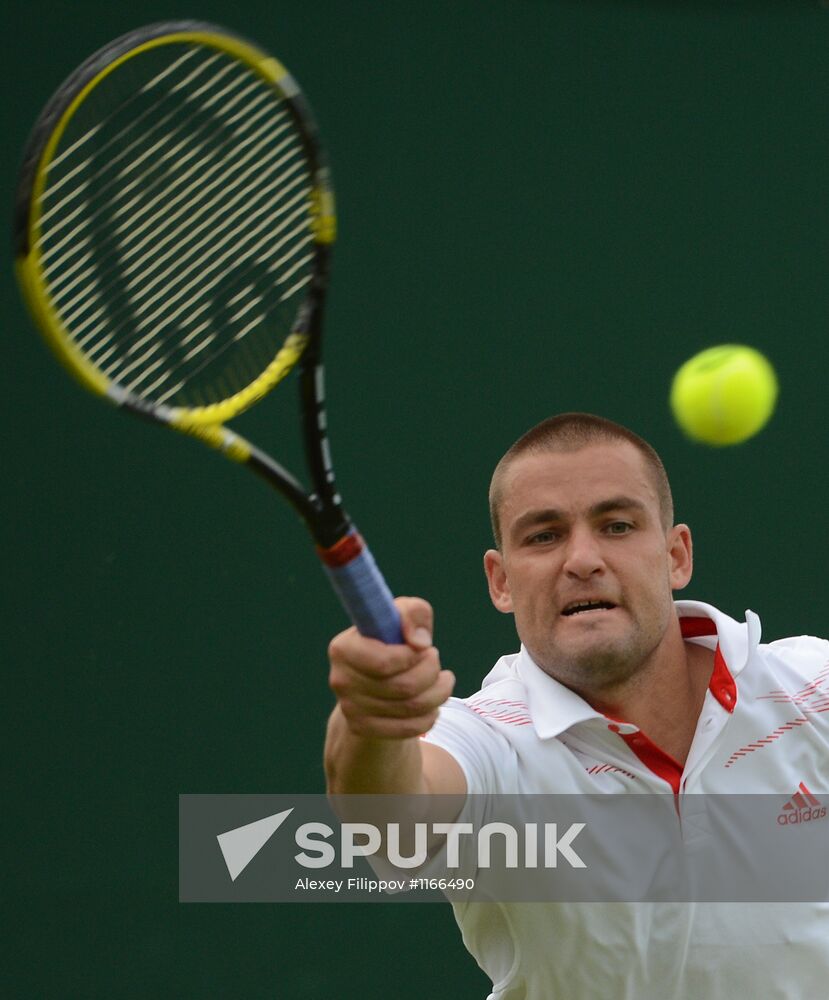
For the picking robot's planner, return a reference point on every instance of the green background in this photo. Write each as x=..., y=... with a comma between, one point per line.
x=543, y=206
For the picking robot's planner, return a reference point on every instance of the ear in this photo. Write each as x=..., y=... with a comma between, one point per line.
x=496, y=577
x=680, y=556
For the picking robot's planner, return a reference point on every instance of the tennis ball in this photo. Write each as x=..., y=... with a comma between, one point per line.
x=724, y=395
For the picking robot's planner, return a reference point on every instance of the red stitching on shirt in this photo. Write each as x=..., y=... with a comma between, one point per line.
x=608, y=768
x=813, y=690
x=502, y=710
x=765, y=740
x=811, y=699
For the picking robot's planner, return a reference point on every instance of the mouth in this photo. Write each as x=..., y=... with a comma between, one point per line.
x=586, y=607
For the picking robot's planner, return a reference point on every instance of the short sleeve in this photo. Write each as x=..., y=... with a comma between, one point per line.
x=808, y=650
x=484, y=754
x=801, y=663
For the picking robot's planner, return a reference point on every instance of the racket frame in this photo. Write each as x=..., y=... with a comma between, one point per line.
x=345, y=557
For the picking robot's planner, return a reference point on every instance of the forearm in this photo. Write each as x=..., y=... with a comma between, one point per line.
x=367, y=765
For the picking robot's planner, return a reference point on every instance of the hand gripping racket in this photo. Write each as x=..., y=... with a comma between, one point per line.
x=173, y=231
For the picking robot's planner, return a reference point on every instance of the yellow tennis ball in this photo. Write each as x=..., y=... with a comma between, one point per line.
x=724, y=395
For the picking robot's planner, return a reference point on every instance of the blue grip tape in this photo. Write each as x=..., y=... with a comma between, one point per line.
x=367, y=598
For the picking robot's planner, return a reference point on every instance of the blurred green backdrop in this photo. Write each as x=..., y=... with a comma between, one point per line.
x=544, y=205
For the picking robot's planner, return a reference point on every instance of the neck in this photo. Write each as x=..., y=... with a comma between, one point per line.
x=664, y=698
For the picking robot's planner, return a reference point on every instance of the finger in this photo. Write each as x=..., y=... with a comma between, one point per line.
x=361, y=704
x=369, y=657
x=409, y=683
x=416, y=620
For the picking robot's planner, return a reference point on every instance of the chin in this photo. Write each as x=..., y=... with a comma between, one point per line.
x=591, y=662
x=599, y=639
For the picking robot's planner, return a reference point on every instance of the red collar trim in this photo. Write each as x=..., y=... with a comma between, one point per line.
x=654, y=758
x=722, y=684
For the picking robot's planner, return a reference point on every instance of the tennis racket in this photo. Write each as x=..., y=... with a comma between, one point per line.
x=173, y=228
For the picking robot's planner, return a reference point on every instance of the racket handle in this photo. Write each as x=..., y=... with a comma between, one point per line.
x=359, y=584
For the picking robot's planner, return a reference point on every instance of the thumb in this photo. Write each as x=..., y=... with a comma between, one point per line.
x=416, y=620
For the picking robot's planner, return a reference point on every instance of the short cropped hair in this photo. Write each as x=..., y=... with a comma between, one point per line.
x=571, y=432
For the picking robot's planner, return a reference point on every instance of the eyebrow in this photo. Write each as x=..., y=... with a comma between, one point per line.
x=617, y=503
x=551, y=514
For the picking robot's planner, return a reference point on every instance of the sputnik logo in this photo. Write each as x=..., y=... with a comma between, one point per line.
x=801, y=808
x=240, y=846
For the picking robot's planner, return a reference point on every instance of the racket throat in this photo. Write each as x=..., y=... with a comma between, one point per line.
x=330, y=525
x=315, y=428
x=326, y=521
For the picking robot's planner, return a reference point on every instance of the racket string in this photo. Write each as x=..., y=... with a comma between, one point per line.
x=208, y=221
x=221, y=350
x=181, y=297
x=70, y=238
x=160, y=238
x=131, y=125
x=193, y=238
x=113, y=249
x=117, y=182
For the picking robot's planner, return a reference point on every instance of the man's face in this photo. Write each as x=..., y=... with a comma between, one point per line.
x=585, y=563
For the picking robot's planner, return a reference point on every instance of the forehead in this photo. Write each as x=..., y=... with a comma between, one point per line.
x=572, y=481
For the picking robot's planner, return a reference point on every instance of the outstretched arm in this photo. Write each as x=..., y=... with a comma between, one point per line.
x=387, y=697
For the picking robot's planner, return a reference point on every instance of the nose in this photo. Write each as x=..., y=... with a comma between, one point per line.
x=583, y=555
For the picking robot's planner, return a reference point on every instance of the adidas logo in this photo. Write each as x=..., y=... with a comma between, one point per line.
x=801, y=808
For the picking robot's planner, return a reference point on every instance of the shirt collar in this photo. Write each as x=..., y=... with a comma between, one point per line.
x=555, y=708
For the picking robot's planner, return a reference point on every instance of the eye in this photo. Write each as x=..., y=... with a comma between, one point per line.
x=619, y=528
x=543, y=537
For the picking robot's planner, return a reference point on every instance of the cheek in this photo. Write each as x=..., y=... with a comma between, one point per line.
x=532, y=589
x=662, y=600
x=534, y=606
x=654, y=583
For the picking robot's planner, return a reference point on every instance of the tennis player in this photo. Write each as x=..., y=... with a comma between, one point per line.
x=616, y=689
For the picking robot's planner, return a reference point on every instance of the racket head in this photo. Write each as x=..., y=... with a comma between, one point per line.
x=173, y=223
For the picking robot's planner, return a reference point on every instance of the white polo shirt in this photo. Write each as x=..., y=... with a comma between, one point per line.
x=763, y=728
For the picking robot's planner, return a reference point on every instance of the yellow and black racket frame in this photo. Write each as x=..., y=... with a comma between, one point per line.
x=321, y=508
